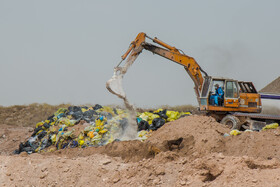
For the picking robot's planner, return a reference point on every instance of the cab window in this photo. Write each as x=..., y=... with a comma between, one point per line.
x=231, y=89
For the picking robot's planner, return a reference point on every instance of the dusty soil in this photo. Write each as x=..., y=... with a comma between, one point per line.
x=204, y=158
x=27, y=115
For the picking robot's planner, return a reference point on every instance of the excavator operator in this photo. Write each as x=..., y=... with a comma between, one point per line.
x=218, y=95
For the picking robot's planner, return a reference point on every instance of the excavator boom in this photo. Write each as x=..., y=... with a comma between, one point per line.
x=166, y=51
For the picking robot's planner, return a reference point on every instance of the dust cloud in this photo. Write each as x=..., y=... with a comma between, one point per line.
x=115, y=86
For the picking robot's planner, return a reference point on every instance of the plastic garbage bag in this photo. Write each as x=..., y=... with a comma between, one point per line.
x=68, y=134
x=77, y=115
x=46, y=142
x=172, y=115
x=226, y=135
x=153, y=116
x=271, y=126
x=74, y=143
x=61, y=115
x=81, y=142
x=59, y=111
x=40, y=124
x=158, y=122
x=143, y=125
x=144, y=116
x=97, y=106
x=235, y=132
x=46, y=126
x=161, y=113
x=36, y=130
x=42, y=135
x=53, y=138
x=73, y=109
x=103, y=131
x=184, y=114
x=88, y=115
x=142, y=135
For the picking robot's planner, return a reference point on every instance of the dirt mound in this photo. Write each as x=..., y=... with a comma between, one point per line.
x=27, y=115
x=262, y=144
x=200, y=134
x=132, y=151
x=273, y=87
x=166, y=169
x=203, y=135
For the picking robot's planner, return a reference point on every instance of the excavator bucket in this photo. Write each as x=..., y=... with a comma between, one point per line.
x=114, y=85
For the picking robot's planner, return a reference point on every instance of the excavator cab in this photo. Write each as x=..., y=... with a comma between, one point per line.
x=213, y=93
x=237, y=96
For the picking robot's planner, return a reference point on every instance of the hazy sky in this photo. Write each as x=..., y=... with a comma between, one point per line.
x=64, y=51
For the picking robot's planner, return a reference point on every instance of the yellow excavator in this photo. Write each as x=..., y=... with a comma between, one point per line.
x=240, y=103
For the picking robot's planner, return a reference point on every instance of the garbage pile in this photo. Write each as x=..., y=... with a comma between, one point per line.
x=156, y=119
x=91, y=127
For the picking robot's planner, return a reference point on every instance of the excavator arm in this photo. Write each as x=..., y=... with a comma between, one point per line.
x=169, y=52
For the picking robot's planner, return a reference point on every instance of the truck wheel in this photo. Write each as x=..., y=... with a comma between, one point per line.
x=231, y=122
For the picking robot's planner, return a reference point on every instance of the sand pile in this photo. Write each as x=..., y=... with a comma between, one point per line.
x=203, y=135
x=273, y=87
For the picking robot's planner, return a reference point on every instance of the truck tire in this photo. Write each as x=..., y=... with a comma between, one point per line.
x=231, y=122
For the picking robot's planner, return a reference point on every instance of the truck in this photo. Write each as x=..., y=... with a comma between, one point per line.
x=239, y=107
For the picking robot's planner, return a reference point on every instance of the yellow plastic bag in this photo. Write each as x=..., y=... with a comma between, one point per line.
x=174, y=115
x=99, y=123
x=39, y=124
x=170, y=119
x=81, y=136
x=186, y=113
x=235, y=132
x=53, y=138
x=65, y=121
x=39, y=132
x=144, y=116
x=168, y=113
x=69, y=134
x=142, y=133
x=153, y=116
x=81, y=142
x=271, y=126
x=84, y=110
x=103, y=131
x=61, y=110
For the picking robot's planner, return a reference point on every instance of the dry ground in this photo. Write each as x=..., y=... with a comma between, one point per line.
x=205, y=158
